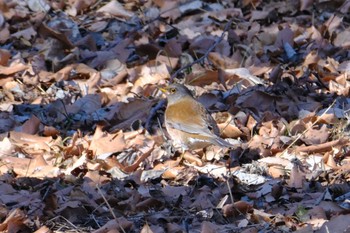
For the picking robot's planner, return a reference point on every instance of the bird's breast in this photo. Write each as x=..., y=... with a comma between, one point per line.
x=186, y=111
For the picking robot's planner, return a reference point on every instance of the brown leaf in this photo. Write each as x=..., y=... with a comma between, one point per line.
x=13, y=68
x=50, y=131
x=4, y=34
x=14, y=222
x=236, y=209
x=103, y=142
x=45, y=30
x=43, y=229
x=146, y=229
x=32, y=142
x=149, y=204
x=173, y=48
x=170, y=9
x=4, y=57
x=342, y=39
x=31, y=126
x=193, y=159
x=136, y=163
x=221, y=61
x=329, y=160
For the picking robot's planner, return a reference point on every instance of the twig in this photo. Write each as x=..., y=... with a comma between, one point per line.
x=110, y=208
x=319, y=80
x=230, y=192
x=69, y=222
x=199, y=60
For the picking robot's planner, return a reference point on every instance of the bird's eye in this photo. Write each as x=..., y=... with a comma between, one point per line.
x=172, y=91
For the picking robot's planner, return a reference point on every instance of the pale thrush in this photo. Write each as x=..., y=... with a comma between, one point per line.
x=188, y=122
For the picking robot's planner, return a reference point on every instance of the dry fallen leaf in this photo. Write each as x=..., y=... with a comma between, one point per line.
x=116, y=9
x=236, y=209
x=103, y=142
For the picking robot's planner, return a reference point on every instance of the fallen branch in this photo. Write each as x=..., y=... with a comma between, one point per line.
x=322, y=147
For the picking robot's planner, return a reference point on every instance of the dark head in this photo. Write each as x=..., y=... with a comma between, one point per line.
x=175, y=92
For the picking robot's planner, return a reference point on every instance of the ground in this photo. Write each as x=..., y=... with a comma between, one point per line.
x=83, y=146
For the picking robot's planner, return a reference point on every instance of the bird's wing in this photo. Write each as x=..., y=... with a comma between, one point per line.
x=192, y=118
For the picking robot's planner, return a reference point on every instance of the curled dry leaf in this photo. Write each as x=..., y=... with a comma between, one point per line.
x=14, y=67
x=236, y=209
x=193, y=159
x=170, y=9
x=327, y=146
x=116, y=9
x=50, y=131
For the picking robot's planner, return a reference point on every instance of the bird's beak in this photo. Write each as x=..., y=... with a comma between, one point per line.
x=163, y=89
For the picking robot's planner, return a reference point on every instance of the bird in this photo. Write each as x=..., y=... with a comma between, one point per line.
x=188, y=122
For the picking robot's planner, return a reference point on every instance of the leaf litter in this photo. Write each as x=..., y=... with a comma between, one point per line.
x=83, y=146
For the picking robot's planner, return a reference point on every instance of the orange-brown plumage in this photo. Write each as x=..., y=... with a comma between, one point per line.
x=188, y=122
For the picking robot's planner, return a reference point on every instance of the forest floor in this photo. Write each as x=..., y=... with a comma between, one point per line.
x=83, y=146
